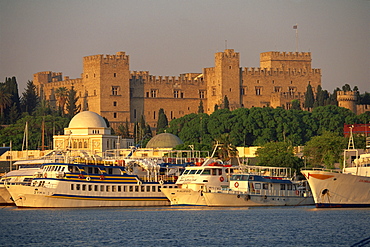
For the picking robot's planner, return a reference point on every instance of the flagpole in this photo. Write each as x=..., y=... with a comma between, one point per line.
x=296, y=37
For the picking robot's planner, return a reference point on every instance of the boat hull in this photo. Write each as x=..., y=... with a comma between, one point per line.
x=5, y=197
x=222, y=199
x=61, y=197
x=331, y=189
x=184, y=197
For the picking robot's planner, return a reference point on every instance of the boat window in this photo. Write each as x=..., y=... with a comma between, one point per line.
x=244, y=177
x=110, y=171
x=96, y=170
x=206, y=172
x=84, y=187
x=185, y=172
x=153, y=189
x=70, y=168
x=219, y=171
x=72, y=186
x=113, y=188
x=257, y=186
x=192, y=171
x=124, y=188
x=214, y=172
x=119, y=188
x=107, y=188
x=236, y=177
x=289, y=186
x=89, y=170
x=101, y=187
x=159, y=189
x=147, y=188
x=142, y=188
x=63, y=168
x=199, y=172
x=131, y=188
x=265, y=186
x=78, y=186
x=136, y=188
x=90, y=187
x=96, y=187
x=282, y=186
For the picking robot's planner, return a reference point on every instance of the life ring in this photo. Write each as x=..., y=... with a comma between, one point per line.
x=236, y=184
x=297, y=192
x=102, y=177
x=222, y=179
x=81, y=176
x=161, y=182
x=139, y=182
x=88, y=178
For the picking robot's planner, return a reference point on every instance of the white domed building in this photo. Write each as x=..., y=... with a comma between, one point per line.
x=87, y=131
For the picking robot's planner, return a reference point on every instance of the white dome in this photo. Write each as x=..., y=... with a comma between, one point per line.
x=87, y=119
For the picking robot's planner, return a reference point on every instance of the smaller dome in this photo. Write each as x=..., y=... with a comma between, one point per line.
x=164, y=140
x=87, y=119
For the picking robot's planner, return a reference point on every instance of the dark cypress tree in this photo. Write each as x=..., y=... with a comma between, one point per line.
x=71, y=104
x=226, y=103
x=30, y=99
x=162, y=122
x=200, y=107
x=296, y=105
x=309, y=98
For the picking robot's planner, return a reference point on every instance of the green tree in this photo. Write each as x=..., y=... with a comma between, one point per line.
x=5, y=99
x=61, y=94
x=200, y=107
x=71, y=103
x=309, y=97
x=296, y=105
x=278, y=154
x=325, y=149
x=30, y=99
x=226, y=103
x=162, y=122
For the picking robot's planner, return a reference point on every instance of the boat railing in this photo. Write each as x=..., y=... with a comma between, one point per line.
x=321, y=169
x=301, y=193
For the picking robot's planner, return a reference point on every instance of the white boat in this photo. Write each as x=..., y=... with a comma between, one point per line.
x=349, y=187
x=196, y=180
x=261, y=186
x=88, y=185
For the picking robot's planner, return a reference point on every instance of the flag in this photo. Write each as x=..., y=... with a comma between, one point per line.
x=295, y=26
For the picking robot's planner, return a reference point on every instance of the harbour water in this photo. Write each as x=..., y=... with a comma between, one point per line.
x=185, y=226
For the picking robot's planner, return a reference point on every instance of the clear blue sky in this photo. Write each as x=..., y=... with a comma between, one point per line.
x=170, y=37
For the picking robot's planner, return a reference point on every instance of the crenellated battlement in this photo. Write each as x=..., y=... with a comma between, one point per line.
x=101, y=57
x=228, y=53
x=279, y=72
x=346, y=96
x=145, y=77
x=275, y=55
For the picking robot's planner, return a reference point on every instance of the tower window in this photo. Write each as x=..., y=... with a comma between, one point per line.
x=114, y=74
x=114, y=103
x=115, y=115
x=176, y=93
x=115, y=90
x=201, y=94
x=153, y=93
x=258, y=90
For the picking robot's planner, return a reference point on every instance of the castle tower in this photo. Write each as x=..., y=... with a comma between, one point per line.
x=347, y=99
x=223, y=80
x=285, y=60
x=106, y=81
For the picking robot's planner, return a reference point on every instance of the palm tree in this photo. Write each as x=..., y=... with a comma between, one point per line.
x=5, y=99
x=62, y=94
x=226, y=149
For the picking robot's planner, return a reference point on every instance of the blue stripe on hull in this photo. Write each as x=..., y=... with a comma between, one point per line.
x=337, y=205
x=109, y=198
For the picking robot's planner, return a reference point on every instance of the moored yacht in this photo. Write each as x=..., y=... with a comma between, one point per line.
x=195, y=180
x=84, y=185
x=349, y=187
x=261, y=186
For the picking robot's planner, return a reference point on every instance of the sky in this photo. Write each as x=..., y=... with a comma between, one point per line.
x=172, y=37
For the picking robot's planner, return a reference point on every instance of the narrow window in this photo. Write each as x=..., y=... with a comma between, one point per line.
x=72, y=186
x=114, y=103
x=114, y=115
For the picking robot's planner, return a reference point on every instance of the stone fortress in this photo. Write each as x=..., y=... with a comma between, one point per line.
x=109, y=88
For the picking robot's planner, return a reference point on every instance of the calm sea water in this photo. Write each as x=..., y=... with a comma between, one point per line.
x=185, y=226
